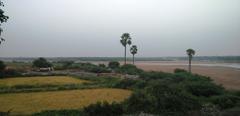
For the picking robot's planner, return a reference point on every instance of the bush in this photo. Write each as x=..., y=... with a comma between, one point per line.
x=159, y=98
x=203, y=88
x=155, y=75
x=139, y=102
x=171, y=99
x=226, y=101
x=10, y=73
x=113, y=64
x=131, y=84
x=231, y=112
x=102, y=65
x=180, y=71
x=129, y=69
x=66, y=64
x=209, y=110
x=60, y=113
x=2, y=65
x=93, y=68
x=104, y=109
x=41, y=63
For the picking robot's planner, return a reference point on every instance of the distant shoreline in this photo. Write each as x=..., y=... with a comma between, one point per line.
x=217, y=59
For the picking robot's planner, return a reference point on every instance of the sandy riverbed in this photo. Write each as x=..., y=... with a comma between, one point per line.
x=227, y=76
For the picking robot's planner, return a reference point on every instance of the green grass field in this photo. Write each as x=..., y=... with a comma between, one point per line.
x=28, y=103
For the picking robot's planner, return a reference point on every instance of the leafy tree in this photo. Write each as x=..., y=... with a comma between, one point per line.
x=2, y=66
x=125, y=40
x=41, y=63
x=190, y=53
x=3, y=18
x=133, y=51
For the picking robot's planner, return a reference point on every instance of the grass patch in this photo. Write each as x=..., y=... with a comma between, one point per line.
x=28, y=103
x=39, y=81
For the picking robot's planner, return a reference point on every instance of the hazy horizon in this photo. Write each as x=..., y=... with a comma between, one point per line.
x=92, y=28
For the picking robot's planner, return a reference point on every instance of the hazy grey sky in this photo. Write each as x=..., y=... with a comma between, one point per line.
x=93, y=27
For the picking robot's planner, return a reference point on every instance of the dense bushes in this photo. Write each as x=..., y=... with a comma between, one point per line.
x=161, y=99
x=104, y=109
x=129, y=69
x=2, y=65
x=226, y=101
x=180, y=71
x=113, y=64
x=203, y=88
x=41, y=63
x=130, y=84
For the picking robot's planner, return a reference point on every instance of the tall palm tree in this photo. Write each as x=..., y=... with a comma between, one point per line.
x=190, y=53
x=125, y=40
x=133, y=51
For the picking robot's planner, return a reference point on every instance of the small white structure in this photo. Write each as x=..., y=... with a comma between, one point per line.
x=47, y=69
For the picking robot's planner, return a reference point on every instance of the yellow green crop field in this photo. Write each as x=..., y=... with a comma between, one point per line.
x=48, y=80
x=28, y=103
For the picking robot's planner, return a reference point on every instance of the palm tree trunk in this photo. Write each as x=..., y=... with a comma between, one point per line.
x=133, y=59
x=189, y=66
x=125, y=55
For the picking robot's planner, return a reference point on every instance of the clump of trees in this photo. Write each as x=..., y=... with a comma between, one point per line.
x=41, y=63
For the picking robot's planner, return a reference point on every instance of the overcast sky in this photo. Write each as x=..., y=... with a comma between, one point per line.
x=78, y=28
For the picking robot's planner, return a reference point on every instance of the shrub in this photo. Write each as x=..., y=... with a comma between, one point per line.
x=209, y=110
x=131, y=84
x=203, y=88
x=180, y=71
x=67, y=64
x=113, y=64
x=139, y=102
x=41, y=63
x=155, y=75
x=171, y=99
x=226, y=101
x=102, y=65
x=2, y=65
x=231, y=112
x=104, y=109
x=129, y=69
x=159, y=98
x=93, y=68
x=60, y=113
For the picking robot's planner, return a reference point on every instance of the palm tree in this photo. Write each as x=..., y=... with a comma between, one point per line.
x=133, y=51
x=125, y=40
x=190, y=53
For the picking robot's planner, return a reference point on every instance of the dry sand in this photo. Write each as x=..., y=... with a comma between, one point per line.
x=228, y=77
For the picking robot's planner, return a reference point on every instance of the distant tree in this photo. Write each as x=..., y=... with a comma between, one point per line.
x=41, y=63
x=133, y=51
x=2, y=66
x=190, y=53
x=3, y=18
x=125, y=40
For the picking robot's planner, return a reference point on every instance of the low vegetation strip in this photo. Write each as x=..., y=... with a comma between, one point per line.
x=48, y=80
x=28, y=103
